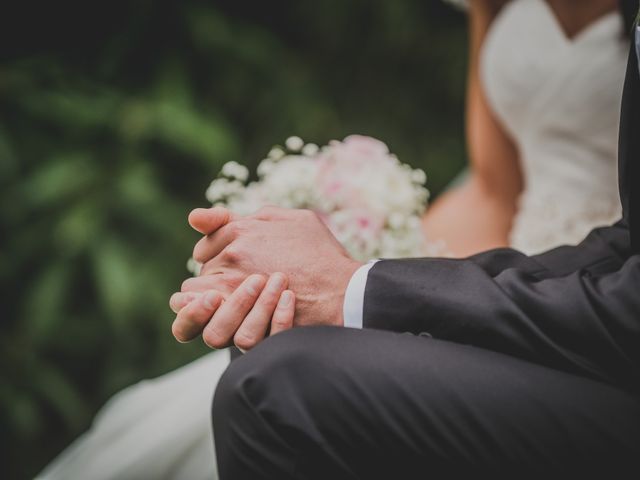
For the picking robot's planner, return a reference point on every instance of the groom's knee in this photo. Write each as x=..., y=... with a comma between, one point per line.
x=265, y=399
x=276, y=372
x=281, y=358
x=266, y=391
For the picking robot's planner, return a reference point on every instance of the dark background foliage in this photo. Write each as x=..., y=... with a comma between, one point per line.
x=114, y=117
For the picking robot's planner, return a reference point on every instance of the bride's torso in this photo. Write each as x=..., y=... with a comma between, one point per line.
x=559, y=99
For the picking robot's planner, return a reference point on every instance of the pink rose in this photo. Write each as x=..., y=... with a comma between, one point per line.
x=367, y=146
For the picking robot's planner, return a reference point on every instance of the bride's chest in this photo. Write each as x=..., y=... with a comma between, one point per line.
x=537, y=79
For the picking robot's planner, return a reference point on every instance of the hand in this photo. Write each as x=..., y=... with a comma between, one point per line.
x=254, y=310
x=294, y=242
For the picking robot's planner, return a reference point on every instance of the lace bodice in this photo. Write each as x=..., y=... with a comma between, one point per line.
x=559, y=99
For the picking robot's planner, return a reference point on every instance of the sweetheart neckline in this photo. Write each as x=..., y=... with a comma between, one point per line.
x=583, y=32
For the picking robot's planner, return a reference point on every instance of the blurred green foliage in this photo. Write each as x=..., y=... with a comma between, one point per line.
x=108, y=140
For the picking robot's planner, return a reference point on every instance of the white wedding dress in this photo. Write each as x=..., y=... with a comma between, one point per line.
x=558, y=98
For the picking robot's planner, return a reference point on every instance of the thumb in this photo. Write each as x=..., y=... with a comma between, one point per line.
x=208, y=220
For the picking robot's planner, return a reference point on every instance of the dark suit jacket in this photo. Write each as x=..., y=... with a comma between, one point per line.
x=574, y=308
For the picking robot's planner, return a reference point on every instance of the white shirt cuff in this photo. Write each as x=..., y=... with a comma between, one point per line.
x=353, y=307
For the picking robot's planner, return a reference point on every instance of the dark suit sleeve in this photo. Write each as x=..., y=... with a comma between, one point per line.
x=574, y=308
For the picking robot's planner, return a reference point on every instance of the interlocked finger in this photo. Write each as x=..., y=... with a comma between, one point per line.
x=225, y=322
x=285, y=311
x=192, y=319
x=210, y=246
x=256, y=324
x=207, y=282
x=208, y=220
x=179, y=300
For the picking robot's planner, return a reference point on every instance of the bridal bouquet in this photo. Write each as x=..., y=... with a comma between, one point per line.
x=369, y=200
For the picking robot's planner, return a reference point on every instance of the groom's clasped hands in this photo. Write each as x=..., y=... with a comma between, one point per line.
x=261, y=274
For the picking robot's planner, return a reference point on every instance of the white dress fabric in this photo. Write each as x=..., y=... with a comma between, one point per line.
x=156, y=429
x=559, y=100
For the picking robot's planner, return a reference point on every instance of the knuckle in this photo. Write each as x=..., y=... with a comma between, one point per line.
x=186, y=285
x=232, y=253
x=269, y=298
x=280, y=322
x=206, y=269
x=194, y=314
x=213, y=339
x=244, y=341
x=241, y=301
x=210, y=273
x=233, y=279
x=233, y=229
x=239, y=227
x=199, y=250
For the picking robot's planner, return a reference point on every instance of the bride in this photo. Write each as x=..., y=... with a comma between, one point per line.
x=545, y=83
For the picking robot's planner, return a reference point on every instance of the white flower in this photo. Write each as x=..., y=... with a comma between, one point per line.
x=397, y=220
x=294, y=143
x=222, y=188
x=369, y=200
x=418, y=176
x=235, y=170
x=215, y=192
x=310, y=149
x=265, y=167
x=414, y=223
x=276, y=153
x=194, y=267
x=291, y=182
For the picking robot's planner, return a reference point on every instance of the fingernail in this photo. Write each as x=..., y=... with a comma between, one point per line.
x=285, y=299
x=210, y=299
x=276, y=282
x=254, y=284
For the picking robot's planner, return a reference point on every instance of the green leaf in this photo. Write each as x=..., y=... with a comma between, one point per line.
x=204, y=136
x=73, y=108
x=114, y=270
x=60, y=176
x=44, y=306
x=79, y=227
x=138, y=186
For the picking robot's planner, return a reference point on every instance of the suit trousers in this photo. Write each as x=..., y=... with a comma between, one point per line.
x=338, y=403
